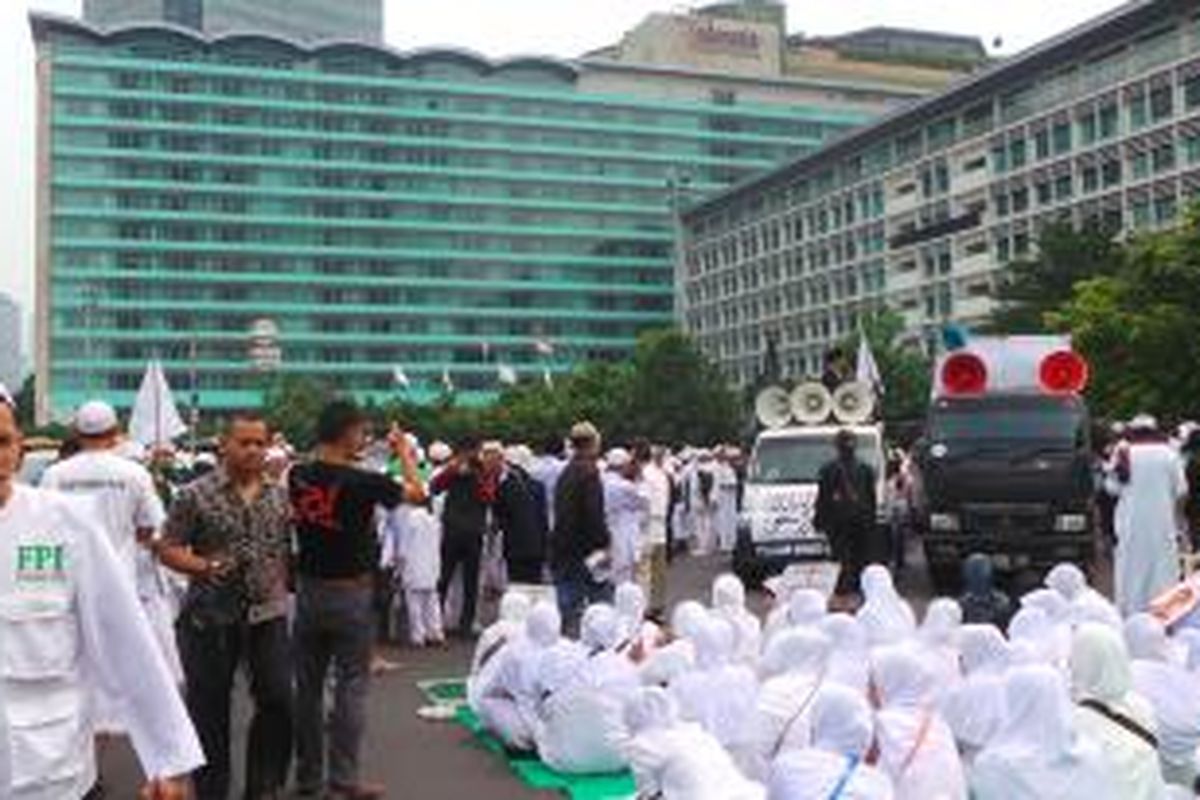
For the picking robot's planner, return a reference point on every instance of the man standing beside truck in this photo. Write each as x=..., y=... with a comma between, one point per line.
x=845, y=512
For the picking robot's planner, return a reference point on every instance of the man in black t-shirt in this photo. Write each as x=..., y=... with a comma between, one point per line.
x=845, y=512
x=334, y=505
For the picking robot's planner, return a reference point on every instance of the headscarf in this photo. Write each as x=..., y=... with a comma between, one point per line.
x=842, y=721
x=686, y=618
x=719, y=694
x=543, y=625
x=938, y=636
x=630, y=602
x=885, y=615
x=793, y=669
x=1036, y=754
x=1084, y=603
x=1100, y=666
x=1173, y=692
x=600, y=628
x=804, y=607
x=976, y=710
x=650, y=708
x=849, y=664
x=801, y=650
x=729, y=602
x=728, y=593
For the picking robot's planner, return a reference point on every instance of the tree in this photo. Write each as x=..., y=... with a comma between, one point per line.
x=1039, y=286
x=26, y=400
x=904, y=370
x=292, y=404
x=1140, y=326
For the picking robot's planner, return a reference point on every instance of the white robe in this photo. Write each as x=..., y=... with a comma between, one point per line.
x=486, y=659
x=1147, y=555
x=1037, y=755
x=1172, y=691
x=794, y=668
x=625, y=511
x=849, y=662
x=679, y=760
x=885, y=616
x=813, y=774
x=729, y=604
x=976, y=709
x=916, y=746
x=702, y=510
x=412, y=542
x=727, y=511
x=580, y=724
x=938, y=637
x=1100, y=670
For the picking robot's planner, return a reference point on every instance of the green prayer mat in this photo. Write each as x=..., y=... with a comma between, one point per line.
x=444, y=691
x=537, y=775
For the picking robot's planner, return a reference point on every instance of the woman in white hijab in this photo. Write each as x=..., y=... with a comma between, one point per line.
x=1110, y=713
x=976, y=709
x=793, y=669
x=729, y=602
x=916, y=747
x=849, y=661
x=1049, y=639
x=1037, y=754
x=720, y=694
x=938, y=637
x=639, y=636
x=679, y=655
x=886, y=617
x=514, y=608
x=580, y=720
x=1174, y=693
x=676, y=760
x=806, y=607
x=834, y=767
x=1085, y=604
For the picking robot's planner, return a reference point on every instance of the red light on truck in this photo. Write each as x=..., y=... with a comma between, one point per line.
x=964, y=373
x=1064, y=372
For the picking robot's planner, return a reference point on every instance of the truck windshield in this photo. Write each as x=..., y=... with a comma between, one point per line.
x=1047, y=422
x=799, y=460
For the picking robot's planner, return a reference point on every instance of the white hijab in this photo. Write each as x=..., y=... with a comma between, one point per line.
x=729, y=601
x=678, y=657
x=793, y=670
x=842, y=731
x=849, y=662
x=805, y=607
x=938, y=636
x=1037, y=755
x=719, y=694
x=916, y=747
x=1173, y=692
x=1100, y=671
x=1040, y=637
x=885, y=616
x=976, y=709
x=1085, y=604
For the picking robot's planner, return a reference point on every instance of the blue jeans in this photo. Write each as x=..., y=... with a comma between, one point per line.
x=575, y=590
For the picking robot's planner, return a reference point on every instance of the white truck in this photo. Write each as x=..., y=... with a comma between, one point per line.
x=779, y=503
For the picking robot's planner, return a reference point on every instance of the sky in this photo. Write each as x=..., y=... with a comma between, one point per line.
x=495, y=28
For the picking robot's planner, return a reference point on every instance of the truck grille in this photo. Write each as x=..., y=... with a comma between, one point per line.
x=1007, y=517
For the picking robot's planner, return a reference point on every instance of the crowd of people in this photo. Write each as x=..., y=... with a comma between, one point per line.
x=1069, y=701
x=292, y=568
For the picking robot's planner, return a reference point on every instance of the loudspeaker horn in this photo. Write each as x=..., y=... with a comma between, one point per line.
x=773, y=407
x=853, y=403
x=811, y=403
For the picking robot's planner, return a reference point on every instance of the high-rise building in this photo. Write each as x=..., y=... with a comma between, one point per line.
x=11, y=371
x=428, y=211
x=922, y=211
x=303, y=20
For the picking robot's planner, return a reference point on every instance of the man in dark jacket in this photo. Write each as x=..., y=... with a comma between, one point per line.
x=521, y=515
x=845, y=512
x=470, y=489
x=580, y=544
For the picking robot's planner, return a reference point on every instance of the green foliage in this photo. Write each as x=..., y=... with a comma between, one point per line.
x=904, y=369
x=669, y=392
x=1038, y=287
x=291, y=404
x=1140, y=326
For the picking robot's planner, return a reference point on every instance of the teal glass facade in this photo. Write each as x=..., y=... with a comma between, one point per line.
x=430, y=211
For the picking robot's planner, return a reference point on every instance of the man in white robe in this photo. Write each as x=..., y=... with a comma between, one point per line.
x=1037, y=754
x=676, y=760
x=580, y=721
x=1149, y=483
x=835, y=765
x=916, y=747
x=625, y=511
x=1174, y=693
x=729, y=603
x=1110, y=713
x=727, y=500
x=703, y=501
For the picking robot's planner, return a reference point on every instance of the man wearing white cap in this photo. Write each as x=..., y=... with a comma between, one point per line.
x=1150, y=486
x=72, y=623
x=625, y=510
x=129, y=510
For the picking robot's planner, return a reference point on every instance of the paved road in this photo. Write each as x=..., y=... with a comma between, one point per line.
x=420, y=760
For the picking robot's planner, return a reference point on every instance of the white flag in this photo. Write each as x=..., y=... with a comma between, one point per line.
x=543, y=347
x=866, y=370
x=447, y=383
x=400, y=378
x=506, y=375
x=155, y=419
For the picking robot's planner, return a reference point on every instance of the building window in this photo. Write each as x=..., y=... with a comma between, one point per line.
x=1091, y=179
x=1191, y=92
x=1020, y=199
x=1062, y=138
x=1164, y=208
x=1041, y=141
x=1192, y=146
x=999, y=159
x=1108, y=121
x=1161, y=105
x=1043, y=193
x=1164, y=157
x=1016, y=153
x=1141, y=165
x=1062, y=187
x=1137, y=111
x=1001, y=203
x=1087, y=129
x=1111, y=173
x=1021, y=244
x=1141, y=213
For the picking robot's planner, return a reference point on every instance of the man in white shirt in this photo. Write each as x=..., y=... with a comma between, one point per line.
x=70, y=623
x=652, y=567
x=126, y=506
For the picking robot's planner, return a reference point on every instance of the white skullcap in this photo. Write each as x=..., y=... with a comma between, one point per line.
x=95, y=418
x=440, y=452
x=1143, y=422
x=618, y=458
